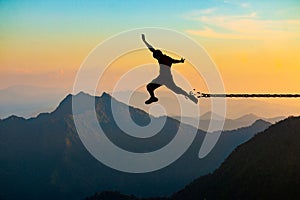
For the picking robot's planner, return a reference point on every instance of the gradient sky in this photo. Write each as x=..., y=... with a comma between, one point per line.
x=255, y=44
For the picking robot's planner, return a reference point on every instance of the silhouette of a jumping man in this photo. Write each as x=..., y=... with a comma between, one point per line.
x=165, y=76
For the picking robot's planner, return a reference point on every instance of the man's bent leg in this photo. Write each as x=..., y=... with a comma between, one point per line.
x=150, y=88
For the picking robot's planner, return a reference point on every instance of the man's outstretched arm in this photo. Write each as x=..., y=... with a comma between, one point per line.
x=178, y=61
x=147, y=44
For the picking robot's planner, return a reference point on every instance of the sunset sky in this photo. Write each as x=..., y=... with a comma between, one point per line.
x=255, y=44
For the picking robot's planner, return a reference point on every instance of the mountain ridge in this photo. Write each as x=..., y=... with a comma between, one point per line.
x=260, y=177
x=248, y=173
x=48, y=151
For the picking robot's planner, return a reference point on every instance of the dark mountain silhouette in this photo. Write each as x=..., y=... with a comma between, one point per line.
x=43, y=157
x=266, y=167
x=113, y=195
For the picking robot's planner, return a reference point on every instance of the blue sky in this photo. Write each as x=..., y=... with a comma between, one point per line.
x=111, y=16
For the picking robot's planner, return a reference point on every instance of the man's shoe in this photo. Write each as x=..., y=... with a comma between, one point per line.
x=151, y=100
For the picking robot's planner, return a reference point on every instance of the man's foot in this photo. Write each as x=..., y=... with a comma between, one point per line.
x=192, y=98
x=151, y=100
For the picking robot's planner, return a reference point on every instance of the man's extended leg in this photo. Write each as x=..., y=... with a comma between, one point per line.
x=172, y=86
x=150, y=88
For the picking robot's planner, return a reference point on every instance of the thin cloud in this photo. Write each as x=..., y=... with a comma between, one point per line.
x=207, y=11
x=209, y=33
x=245, y=5
x=196, y=13
x=246, y=26
x=239, y=4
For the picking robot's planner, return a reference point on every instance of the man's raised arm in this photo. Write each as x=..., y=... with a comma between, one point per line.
x=147, y=44
x=178, y=61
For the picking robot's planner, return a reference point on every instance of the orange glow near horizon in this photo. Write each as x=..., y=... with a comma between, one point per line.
x=254, y=46
x=252, y=65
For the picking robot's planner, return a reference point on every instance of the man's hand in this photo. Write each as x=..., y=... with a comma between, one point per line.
x=182, y=60
x=143, y=37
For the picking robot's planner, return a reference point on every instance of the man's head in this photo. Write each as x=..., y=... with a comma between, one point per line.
x=157, y=53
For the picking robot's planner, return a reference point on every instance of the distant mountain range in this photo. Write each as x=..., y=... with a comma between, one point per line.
x=265, y=167
x=43, y=157
x=235, y=107
x=230, y=124
x=28, y=101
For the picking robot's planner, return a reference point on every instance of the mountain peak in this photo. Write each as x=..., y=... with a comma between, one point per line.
x=85, y=94
x=14, y=117
x=248, y=117
x=65, y=106
x=79, y=94
x=83, y=99
x=261, y=121
x=105, y=95
x=211, y=115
